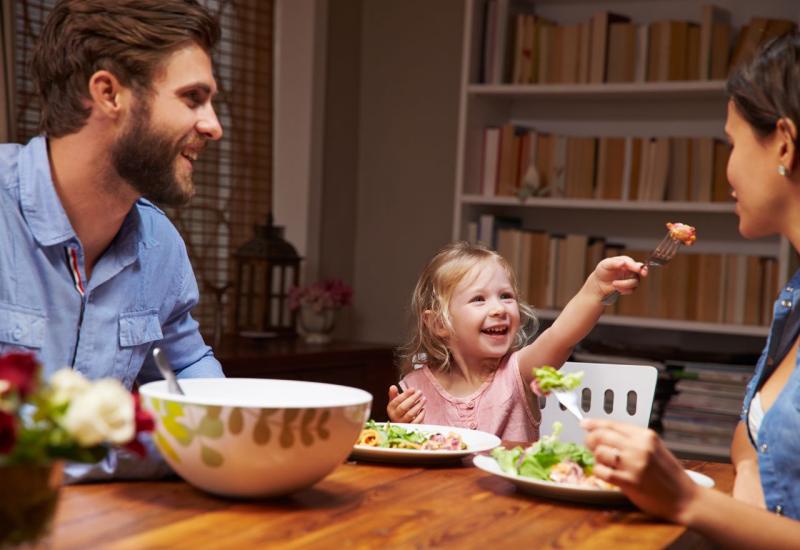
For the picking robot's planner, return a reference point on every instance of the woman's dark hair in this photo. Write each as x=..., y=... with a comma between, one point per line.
x=767, y=87
x=129, y=38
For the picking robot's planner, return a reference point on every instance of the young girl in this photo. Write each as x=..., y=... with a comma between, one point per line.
x=473, y=333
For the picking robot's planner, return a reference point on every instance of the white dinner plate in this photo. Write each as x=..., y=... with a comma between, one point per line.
x=475, y=440
x=566, y=491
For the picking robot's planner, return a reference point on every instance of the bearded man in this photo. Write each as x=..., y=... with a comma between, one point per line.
x=92, y=274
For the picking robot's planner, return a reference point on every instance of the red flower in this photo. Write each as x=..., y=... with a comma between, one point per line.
x=8, y=432
x=19, y=370
x=144, y=423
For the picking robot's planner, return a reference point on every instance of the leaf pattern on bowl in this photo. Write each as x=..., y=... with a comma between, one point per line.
x=211, y=426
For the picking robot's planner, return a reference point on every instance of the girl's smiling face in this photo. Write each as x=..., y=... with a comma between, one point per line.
x=484, y=314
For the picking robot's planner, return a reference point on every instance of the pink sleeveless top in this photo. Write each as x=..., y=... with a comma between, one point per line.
x=500, y=406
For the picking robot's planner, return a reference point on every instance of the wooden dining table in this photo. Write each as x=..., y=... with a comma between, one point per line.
x=361, y=505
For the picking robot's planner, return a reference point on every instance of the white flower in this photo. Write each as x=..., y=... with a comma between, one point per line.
x=66, y=384
x=102, y=413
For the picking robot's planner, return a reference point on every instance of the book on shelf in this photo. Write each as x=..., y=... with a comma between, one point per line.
x=622, y=40
x=704, y=287
x=688, y=421
x=705, y=442
x=725, y=389
x=490, y=160
x=604, y=167
x=521, y=47
x=598, y=62
x=712, y=45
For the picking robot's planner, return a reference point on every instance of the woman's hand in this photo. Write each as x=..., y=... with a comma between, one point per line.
x=407, y=407
x=620, y=273
x=636, y=460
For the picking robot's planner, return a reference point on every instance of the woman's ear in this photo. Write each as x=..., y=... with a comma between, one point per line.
x=434, y=324
x=107, y=93
x=786, y=132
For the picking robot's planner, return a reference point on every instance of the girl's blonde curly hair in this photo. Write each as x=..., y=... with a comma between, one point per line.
x=433, y=293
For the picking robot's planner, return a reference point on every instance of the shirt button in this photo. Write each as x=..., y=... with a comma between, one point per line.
x=789, y=289
x=764, y=448
x=786, y=303
x=17, y=334
x=471, y=405
x=473, y=425
x=779, y=510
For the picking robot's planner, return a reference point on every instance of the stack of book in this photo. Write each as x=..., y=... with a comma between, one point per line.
x=606, y=167
x=702, y=414
x=521, y=47
x=736, y=289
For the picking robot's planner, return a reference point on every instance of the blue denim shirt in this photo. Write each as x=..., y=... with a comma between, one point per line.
x=779, y=435
x=140, y=294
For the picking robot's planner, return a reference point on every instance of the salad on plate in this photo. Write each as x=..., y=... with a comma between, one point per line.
x=392, y=436
x=552, y=460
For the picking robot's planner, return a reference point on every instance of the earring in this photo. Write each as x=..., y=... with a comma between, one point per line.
x=782, y=170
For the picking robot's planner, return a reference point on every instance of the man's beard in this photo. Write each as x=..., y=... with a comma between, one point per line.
x=146, y=160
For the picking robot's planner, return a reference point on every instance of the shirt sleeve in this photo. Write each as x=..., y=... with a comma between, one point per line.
x=182, y=342
x=121, y=464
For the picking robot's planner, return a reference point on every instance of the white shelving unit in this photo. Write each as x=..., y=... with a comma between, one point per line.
x=677, y=108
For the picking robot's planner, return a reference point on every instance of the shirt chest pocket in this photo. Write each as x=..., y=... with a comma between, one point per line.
x=137, y=332
x=21, y=328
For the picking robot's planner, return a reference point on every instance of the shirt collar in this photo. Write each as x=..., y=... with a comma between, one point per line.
x=40, y=203
x=46, y=217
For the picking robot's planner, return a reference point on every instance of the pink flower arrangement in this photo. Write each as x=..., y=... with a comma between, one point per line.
x=326, y=294
x=67, y=418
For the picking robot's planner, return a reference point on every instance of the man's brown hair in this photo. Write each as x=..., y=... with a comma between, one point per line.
x=129, y=38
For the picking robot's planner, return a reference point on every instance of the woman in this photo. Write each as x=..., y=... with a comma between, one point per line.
x=764, y=172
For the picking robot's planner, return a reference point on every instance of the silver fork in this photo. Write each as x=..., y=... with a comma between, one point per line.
x=660, y=255
x=569, y=398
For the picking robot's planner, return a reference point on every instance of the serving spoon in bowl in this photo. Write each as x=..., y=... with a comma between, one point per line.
x=166, y=371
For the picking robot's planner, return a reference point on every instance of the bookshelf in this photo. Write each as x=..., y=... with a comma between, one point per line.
x=684, y=109
x=690, y=112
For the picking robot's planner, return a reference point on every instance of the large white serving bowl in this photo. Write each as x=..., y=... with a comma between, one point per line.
x=251, y=437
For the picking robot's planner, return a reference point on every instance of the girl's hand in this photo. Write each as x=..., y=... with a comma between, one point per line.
x=620, y=273
x=636, y=460
x=407, y=407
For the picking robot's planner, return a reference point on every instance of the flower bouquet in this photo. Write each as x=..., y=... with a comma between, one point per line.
x=318, y=304
x=327, y=294
x=43, y=424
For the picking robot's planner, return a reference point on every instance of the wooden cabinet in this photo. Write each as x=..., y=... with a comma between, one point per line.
x=361, y=365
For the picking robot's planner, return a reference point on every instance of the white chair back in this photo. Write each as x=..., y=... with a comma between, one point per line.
x=616, y=392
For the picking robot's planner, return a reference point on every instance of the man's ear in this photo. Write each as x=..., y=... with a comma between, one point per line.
x=434, y=324
x=108, y=95
x=786, y=132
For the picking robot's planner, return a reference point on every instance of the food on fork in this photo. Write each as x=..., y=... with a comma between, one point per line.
x=550, y=379
x=392, y=436
x=686, y=234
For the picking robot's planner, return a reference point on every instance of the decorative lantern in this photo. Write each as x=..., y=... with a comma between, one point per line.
x=266, y=268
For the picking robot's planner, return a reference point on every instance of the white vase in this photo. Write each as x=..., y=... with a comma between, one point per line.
x=316, y=326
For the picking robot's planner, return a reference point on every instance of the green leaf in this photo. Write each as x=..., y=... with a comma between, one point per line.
x=181, y=433
x=236, y=421
x=211, y=457
x=165, y=447
x=211, y=427
x=174, y=409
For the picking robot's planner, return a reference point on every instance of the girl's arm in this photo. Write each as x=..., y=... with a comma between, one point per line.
x=577, y=319
x=747, y=486
x=637, y=461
